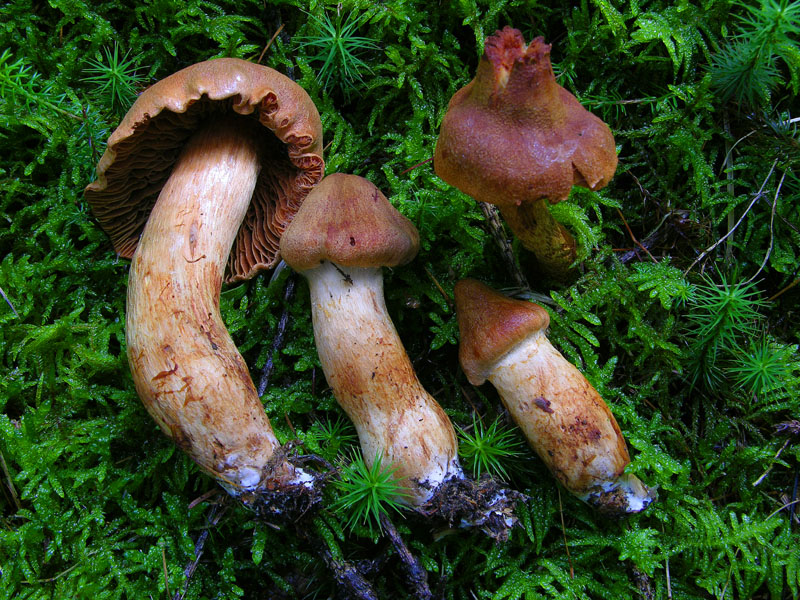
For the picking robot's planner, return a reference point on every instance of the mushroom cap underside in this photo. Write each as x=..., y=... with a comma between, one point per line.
x=141, y=152
x=348, y=221
x=491, y=325
x=514, y=135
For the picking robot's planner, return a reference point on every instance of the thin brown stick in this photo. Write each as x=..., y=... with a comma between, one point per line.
x=14, y=310
x=417, y=575
x=771, y=229
x=439, y=287
x=280, y=332
x=211, y=520
x=564, y=533
x=763, y=475
x=210, y=493
x=633, y=237
x=784, y=290
x=419, y=164
x=269, y=43
x=9, y=483
x=166, y=573
x=495, y=226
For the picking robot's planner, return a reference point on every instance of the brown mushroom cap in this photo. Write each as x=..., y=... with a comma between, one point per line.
x=514, y=135
x=141, y=152
x=348, y=221
x=491, y=325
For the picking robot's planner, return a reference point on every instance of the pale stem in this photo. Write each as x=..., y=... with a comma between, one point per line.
x=568, y=425
x=373, y=380
x=186, y=367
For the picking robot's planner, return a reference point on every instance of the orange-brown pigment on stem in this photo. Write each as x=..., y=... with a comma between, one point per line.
x=186, y=368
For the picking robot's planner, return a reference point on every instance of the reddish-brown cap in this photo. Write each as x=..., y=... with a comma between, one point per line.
x=514, y=135
x=347, y=220
x=141, y=152
x=491, y=325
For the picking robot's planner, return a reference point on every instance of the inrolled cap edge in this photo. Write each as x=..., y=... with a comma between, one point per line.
x=122, y=195
x=491, y=325
x=348, y=221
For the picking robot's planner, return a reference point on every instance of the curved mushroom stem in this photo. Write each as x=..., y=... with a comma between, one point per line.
x=186, y=368
x=569, y=426
x=374, y=382
x=554, y=247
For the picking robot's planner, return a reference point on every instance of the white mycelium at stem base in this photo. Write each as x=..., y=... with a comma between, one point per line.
x=373, y=379
x=563, y=417
x=186, y=368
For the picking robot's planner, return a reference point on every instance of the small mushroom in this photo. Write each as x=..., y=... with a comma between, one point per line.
x=563, y=417
x=513, y=137
x=339, y=239
x=216, y=156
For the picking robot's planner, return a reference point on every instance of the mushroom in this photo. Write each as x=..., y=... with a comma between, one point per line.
x=339, y=239
x=187, y=176
x=513, y=137
x=563, y=417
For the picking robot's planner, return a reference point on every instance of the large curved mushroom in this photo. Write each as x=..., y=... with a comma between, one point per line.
x=513, y=137
x=563, y=417
x=216, y=156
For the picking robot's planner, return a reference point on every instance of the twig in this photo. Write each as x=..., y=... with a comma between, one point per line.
x=666, y=570
x=723, y=238
x=166, y=573
x=786, y=289
x=269, y=43
x=495, y=226
x=210, y=493
x=280, y=331
x=14, y=310
x=771, y=224
x=417, y=575
x=781, y=507
x=419, y=164
x=564, y=533
x=347, y=575
x=643, y=583
x=760, y=479
x=439, y=287
x=794, y=500
x=211, y=520
x=9, y=483
x=633, y=237
x=669, y=580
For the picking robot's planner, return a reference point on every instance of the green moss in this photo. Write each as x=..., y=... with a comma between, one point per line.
x=701, y=96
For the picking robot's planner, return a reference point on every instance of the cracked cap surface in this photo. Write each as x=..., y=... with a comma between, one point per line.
x=514, y=135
